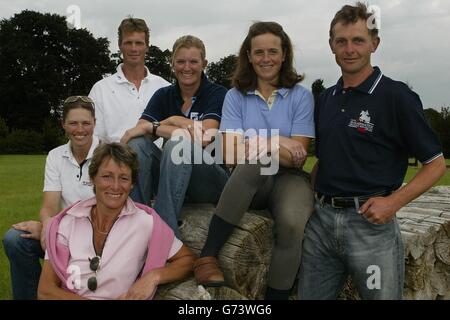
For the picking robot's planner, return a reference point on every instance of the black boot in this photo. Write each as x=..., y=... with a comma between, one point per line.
x=218, y=233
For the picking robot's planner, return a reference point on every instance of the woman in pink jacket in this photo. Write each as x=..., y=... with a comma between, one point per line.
x=109, y=247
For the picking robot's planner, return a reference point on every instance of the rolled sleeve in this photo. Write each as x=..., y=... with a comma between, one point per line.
x=420, y=139
x=214, y=104
x=100, y=127
x=232, y=112
x=176, y=246
x=154, y=110
x=52, y=180
x=303, y=122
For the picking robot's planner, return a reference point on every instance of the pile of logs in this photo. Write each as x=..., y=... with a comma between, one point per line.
x=425, y=227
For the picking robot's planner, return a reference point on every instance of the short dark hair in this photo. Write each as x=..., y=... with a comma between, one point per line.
x=351, y=14
x=75, y=102
x=245, y=78
x=119, y=152
x=131, y=24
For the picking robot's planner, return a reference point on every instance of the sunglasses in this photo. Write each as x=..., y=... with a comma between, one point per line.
x=94, y=265
x=84, y=99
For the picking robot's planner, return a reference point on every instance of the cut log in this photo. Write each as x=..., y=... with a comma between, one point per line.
x=245, y=257
x=189, y=290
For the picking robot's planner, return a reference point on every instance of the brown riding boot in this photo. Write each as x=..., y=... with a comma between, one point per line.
x=207, y=272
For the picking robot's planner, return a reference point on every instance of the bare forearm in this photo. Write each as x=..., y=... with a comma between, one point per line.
x=178, y=121
x=179, y=268
x=425, y=178
x=293, y=150
x=46, y=213
x=51, y=292
x=166, y=131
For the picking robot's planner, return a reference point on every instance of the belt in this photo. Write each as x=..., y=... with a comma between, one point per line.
x=348, y=202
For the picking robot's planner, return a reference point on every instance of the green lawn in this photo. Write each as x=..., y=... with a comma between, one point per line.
x=21, y=183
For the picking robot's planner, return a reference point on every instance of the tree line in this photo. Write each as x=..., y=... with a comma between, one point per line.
x=43, y=61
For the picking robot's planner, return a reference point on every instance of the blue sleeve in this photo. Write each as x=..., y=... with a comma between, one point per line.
x=232, y=111
x=214, y=104
x=303, y=122
x=155, y=110
x=421, y=141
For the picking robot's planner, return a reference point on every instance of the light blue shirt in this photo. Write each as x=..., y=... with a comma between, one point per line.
x=292, y=113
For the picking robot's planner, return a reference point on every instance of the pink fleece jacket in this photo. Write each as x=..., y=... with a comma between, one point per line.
x=159, y=244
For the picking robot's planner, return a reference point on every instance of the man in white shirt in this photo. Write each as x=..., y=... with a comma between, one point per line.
x=121, y=98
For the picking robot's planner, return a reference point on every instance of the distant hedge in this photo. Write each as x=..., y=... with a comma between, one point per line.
x=20, y=141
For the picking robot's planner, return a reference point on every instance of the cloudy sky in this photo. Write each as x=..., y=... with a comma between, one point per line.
x=414, y=48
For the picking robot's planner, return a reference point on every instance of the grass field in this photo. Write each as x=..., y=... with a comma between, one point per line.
x=21, y=183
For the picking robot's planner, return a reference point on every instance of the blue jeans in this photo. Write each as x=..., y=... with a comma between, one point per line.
x=342, y=242
x=23, y=255
x=172, y=183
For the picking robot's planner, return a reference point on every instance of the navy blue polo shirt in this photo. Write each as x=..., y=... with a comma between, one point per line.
x=167, y=102
x=364, y=136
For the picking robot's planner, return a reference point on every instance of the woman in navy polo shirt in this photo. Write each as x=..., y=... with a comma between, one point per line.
x=267, y=112
x=187, y=115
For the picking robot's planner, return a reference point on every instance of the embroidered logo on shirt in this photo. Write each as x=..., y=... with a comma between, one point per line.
x=363, y=124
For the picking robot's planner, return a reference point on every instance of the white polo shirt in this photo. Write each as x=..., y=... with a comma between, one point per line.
x=119, y=105
x=64, y=174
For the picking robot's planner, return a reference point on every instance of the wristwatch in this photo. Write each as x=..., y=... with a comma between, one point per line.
x=155, y=125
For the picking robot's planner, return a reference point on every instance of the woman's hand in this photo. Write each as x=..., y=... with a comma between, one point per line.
x=143, y=127
x=142, y=289
x=33, y=228
x=296, y=149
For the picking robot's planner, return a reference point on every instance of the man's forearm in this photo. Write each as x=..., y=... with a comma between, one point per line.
x=424, y=179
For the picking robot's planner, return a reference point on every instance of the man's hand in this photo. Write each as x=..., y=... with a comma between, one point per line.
x=378, y=210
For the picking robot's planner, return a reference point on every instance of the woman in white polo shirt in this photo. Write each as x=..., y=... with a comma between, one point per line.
x=66, y=181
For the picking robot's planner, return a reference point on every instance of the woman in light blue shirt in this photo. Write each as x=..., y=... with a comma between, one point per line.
x=267, y=121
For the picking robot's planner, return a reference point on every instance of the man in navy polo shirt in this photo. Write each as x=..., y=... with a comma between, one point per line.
x=366, y=127
x=186, y=113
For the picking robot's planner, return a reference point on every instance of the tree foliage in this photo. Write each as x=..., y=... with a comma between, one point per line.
x=159, y=63
x=221, y=72
x=43, y=62
x=317, y=88
x=440, y=122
